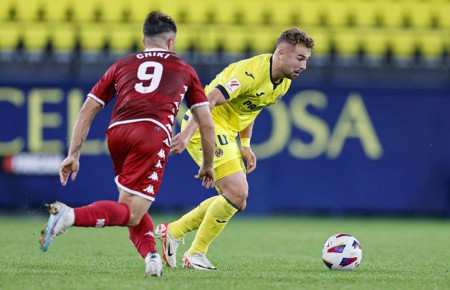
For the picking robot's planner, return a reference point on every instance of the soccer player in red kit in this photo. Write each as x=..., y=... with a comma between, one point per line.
x=149, y=87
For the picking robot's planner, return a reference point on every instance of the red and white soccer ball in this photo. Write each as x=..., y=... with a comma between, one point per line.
x=342, y=252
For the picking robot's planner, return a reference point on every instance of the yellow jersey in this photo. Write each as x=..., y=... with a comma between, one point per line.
x=248, y=87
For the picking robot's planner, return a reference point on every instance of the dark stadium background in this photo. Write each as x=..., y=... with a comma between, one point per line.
x=364, y=130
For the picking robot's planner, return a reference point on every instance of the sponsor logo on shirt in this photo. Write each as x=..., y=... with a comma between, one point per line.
x=233, y=85
x=248, y=107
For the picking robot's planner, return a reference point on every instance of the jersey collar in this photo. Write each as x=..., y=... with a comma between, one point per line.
x=270, y=73
x=155, y=49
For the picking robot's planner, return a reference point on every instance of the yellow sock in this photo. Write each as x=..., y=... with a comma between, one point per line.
x=190, y=221
x=215, y=220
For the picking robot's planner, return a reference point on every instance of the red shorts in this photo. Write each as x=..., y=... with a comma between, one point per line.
x=139, y=152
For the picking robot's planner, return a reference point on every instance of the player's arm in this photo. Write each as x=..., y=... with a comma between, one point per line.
x=81, y=128
x=202, y=117
x=246, y=151
x=180, y=141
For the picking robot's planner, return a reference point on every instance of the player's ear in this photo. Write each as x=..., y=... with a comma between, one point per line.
x=171, y=43
x=279, y=52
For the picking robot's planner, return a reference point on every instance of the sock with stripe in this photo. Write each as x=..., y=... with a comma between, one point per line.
x=102, y=214
x=216, y=218
x=190, y=221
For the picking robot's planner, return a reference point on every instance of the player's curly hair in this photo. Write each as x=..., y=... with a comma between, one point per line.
x=157, y=22
x=296, y=36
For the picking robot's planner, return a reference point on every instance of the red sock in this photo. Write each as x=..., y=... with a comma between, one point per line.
x=142, y=236
x=102, y=214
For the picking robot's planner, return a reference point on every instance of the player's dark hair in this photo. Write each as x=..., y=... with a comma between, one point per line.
x=296, y=36
x=157, y=22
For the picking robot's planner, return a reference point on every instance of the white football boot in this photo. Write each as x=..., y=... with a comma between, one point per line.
x=153, y=265
x=198, y=261
x=61, y=218
x=169, y=244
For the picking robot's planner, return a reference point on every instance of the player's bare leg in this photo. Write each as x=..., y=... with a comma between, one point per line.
x=138, y=206
x=235, y=188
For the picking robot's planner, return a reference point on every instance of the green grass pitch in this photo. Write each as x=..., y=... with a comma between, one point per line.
x=252, y=253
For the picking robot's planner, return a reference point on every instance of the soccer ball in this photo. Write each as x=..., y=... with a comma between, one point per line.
x=342, y=252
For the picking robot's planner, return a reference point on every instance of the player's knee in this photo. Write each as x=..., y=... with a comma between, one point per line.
x=243, y=197
x=243, y=206
x=235, y=191
x=240, y=200
x=242, y=193
x=134, y=219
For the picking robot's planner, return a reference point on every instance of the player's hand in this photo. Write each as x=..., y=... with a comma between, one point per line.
x=69, y=165
x=207, y=176
x=179, y=143
x=250, y=158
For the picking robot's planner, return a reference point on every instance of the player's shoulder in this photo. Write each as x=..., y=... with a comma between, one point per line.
x=256, y=61
x=255, y=68
x=254, y=64
x=180, y=63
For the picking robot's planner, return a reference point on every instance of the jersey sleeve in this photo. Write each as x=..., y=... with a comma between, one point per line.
x=195, y=95
x=103, y=91
x=234, y=81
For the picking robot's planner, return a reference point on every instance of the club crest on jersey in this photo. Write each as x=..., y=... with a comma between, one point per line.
x=218, y=152
x=233, y=85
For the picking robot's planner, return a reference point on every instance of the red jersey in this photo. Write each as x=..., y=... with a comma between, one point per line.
x=149, y=87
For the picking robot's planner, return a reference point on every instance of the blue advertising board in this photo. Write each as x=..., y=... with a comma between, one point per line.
x=327, y=149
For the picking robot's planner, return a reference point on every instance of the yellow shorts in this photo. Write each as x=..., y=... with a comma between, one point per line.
x=227, y=159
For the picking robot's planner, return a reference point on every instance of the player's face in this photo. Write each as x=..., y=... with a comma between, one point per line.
x=294, y=60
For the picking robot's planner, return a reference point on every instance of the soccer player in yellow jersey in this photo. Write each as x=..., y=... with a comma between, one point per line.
x=236, y=96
